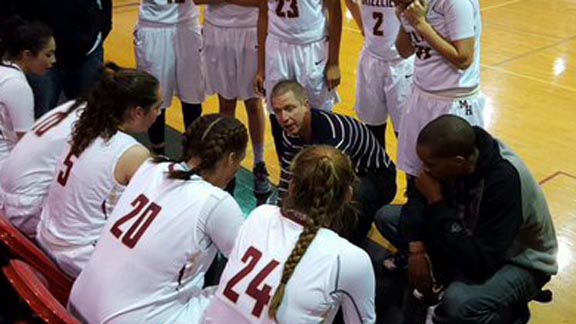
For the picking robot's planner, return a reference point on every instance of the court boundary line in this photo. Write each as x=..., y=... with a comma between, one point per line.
x=555, y=175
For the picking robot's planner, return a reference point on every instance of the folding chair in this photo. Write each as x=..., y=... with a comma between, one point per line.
x=29, y=285
x=22, y=248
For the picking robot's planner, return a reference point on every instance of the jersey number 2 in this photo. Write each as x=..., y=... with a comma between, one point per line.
x=146, y=217
x=261, y=295
x=292, y=12
x=379, y=17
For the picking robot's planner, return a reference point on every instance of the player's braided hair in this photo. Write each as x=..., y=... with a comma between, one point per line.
x=322, y=177
x=210, y=138
x=118, y=90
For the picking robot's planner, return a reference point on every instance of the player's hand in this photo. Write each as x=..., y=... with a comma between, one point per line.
x=259, y=84
x=420, y=271
x=415, y=12
x=429, y=186
x=332, y=76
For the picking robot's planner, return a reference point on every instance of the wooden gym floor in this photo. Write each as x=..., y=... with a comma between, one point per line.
x=529, y=78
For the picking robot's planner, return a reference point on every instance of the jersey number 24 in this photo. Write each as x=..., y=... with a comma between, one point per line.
x=261, y=295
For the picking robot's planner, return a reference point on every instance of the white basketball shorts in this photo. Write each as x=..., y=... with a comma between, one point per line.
x=422, y=108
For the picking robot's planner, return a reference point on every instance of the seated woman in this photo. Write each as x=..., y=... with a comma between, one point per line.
x=25, y=48
x=290, y=264
x=96, y=165
x=150, y=261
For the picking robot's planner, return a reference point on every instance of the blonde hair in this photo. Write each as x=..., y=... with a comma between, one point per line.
x=320, y=185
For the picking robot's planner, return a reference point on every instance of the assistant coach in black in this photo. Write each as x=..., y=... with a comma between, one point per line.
x=303, y=126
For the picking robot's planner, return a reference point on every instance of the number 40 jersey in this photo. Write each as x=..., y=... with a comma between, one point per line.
x=332, y=273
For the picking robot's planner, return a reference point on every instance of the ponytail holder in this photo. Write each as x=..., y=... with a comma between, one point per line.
x=209, y=128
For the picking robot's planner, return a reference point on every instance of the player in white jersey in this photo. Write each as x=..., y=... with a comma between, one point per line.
x=231, y=57
x=384, y=77
x=445, y=36
x=97, y=164
x=168, y=44
x=289, y=264
x=299, y=40
x=164, y=233
x=29, y=169
x=25, y=48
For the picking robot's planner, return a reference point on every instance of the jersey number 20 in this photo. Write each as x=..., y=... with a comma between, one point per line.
x=145, y=217
x=261, y=295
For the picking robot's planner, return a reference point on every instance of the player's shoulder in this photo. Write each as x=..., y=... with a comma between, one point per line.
x=264, y=214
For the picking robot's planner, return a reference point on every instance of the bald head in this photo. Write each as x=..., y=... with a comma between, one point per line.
x=448, y=136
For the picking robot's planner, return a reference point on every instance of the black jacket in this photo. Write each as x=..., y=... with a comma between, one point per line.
x=470, y=231
x=76, y=24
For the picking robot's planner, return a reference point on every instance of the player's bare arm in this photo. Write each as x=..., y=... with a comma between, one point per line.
x=243, y=3
x=460, y=52
x=208, y=2
x=129, y=163
x=334, y=35
x=262, y=34
x=354, y=8
x=403, y=43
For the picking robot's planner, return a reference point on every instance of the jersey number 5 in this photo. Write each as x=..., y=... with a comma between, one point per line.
x=63, y=175
x=261, y=295
x=292, y=12
x=379, y=17
x=146, y=217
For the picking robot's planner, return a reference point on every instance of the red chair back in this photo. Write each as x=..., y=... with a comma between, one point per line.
x=23, y=248
x=27, y=282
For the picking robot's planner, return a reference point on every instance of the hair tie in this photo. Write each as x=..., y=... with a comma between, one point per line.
x=209, y=128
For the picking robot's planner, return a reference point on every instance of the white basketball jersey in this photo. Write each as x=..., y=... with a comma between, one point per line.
x=151, y=258
x=83, y=193
x=453, y=20
x=29, y=170
x=169, y=12
x=10, y=120
x=332, y=273
x=297, y=21
x=380, y=28
x=229, y=15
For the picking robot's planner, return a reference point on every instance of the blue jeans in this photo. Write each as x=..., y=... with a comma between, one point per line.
x=72, y=81
x=495, y=301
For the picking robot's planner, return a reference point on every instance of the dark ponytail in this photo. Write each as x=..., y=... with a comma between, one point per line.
x=118, y=90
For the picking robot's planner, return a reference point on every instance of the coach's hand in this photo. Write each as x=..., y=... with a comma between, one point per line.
x=429, y=187
x=419, y=267
x=332, y=76
x=259, y=84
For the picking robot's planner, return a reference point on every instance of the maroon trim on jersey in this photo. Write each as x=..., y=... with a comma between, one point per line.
x=297, y=217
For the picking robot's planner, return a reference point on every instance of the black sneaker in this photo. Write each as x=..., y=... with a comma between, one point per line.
x=262, y=184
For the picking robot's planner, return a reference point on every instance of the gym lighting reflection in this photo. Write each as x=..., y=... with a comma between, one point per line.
x=564, y=254
x=559, y=66
x=348, y=15
x=488, y=113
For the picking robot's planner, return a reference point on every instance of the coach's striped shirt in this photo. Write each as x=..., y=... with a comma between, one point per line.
x=344, y=133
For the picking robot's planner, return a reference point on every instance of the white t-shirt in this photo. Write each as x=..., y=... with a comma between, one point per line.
x=332, y=273
x=297, y=21
x=380, y=28
x=29, y=169
x=454, y=20
x=229, y=15
x=16, y=107
x=153, y=253
x=82, y=196
x=169, y=12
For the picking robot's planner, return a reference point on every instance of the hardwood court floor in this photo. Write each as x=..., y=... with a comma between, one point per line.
x=529, y=78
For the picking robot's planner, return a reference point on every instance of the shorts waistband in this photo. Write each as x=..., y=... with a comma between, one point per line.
x=449, y=95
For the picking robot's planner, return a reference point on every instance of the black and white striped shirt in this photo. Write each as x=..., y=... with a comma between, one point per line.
x=344, y=133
